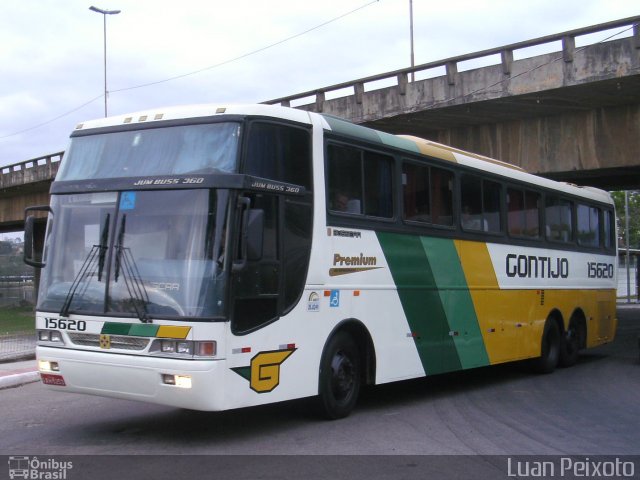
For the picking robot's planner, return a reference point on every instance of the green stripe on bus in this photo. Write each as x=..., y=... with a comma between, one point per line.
x=143, y=330
x=421, y=301
x=347, y=128
x=398, y=142
x=111, y=328
x=456, y=298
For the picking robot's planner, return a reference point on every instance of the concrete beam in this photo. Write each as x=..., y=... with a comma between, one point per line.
x=604, y=140
x=12, y=206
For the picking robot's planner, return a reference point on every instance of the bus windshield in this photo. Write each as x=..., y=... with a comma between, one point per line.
x=207, y=148
x=143, y=253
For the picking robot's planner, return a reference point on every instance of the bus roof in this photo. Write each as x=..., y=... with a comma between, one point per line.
x=184, y=112
x=403, y=142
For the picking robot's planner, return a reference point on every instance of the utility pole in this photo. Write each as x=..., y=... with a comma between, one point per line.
x=104, y=17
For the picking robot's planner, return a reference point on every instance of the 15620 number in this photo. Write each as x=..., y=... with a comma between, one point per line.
x=65, y=324
x=600, y=270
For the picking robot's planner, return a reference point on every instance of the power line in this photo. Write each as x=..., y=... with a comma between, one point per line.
x=210, y=67
x=53, y=119
x=248, y=54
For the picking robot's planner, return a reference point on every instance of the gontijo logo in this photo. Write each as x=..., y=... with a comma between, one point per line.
x=264, y=372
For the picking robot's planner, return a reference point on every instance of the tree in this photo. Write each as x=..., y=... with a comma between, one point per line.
x=634, y=217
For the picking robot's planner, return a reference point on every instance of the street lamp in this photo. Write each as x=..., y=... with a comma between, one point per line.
x=413, y=74
x=104, y=17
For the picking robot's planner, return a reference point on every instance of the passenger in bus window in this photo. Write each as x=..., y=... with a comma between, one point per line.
x=471, y=221
x=339, y=202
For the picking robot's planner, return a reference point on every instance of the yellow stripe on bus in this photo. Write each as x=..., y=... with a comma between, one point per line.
x=170, y=331
x=501, y=331
x=509, y=335
x=431, y=148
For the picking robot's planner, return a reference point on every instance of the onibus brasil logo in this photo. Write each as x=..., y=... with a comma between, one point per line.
x=264, y=371
x=33, y=468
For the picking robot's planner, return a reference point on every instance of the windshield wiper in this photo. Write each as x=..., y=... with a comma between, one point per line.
x=119, y=246
x=103, y=246
x=86, y=271
x=95, y=257
x=132, y=279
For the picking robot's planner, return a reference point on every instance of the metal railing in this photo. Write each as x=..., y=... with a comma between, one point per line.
x=17, y=345
x=28, y=170
x=451, y=64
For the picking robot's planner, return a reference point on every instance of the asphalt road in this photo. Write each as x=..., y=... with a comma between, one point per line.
x=590, y=409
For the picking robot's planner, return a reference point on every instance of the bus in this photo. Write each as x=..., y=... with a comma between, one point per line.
x=217, y=257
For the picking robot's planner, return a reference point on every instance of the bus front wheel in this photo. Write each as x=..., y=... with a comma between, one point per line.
x=340, y=376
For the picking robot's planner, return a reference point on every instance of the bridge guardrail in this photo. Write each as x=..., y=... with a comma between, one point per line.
x=451, y=64
x=35, y=170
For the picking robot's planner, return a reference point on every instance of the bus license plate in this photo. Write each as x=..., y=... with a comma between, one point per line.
x=49, y=379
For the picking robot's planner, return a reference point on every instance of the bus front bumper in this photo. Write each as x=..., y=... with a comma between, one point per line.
x=192, y=384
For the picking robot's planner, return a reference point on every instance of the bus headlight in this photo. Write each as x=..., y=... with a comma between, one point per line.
x=50, y=336
x=184, y=348
x=55, y=336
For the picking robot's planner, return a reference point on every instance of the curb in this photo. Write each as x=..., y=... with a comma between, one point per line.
x=18, y=379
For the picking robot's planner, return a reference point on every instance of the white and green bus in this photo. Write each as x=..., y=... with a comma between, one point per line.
x=216, y=257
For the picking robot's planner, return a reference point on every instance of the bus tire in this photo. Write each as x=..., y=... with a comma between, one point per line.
x=550, y=348
x=340, y=377
x=570, y=346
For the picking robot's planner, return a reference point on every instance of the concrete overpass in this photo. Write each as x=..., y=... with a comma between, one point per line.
x=23, y=185
x=572, y=115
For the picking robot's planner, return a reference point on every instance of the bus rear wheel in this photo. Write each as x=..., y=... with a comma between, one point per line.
x=570, y=346
x=550, y=348
x=340, y=377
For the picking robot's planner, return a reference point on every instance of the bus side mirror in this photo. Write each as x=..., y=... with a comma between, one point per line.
x=251, y=234
x=30, y=255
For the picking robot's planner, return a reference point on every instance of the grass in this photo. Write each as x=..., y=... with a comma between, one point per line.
x=16, y=319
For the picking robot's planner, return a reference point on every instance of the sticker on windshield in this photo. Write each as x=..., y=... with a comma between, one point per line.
x=128, y=201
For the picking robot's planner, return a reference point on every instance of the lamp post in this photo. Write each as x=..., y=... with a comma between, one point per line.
x=104, y=17
x=413, y=74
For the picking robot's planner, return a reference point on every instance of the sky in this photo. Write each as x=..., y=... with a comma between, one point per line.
x=241, y=51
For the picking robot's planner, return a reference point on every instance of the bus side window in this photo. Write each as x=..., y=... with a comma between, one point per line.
x=427, y=194
x=523, y=213
x=378, y=175
x=588, y=226
x=279, y=152
x=471, y=202
x=360, y=181
x=559, y=219
x=345, y=179
x=480, y=204
x=609, y=229
x=441, y=197
x=415, y=193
